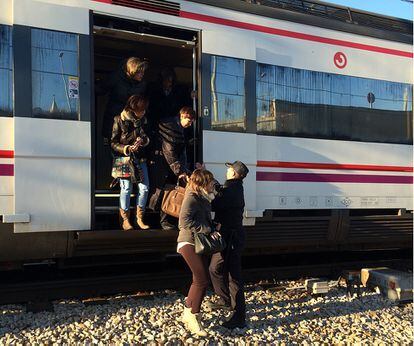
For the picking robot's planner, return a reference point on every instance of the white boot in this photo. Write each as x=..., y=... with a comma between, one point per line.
x=186, y=315
x=193, y=323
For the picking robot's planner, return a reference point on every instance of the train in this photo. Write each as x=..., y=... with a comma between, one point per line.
x=315, y=98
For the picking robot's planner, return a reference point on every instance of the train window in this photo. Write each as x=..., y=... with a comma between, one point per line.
x=228, y=94
x=301, y=103
x=6, y=78
x=55, y=75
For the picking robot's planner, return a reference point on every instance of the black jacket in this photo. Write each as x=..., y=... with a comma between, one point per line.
x=228, y=207
x=120, y=87
x=173, y=145
x=126, y=129
x=164, y=106
x=195, y=217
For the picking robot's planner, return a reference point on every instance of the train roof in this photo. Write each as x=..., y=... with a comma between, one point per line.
x=324, y=15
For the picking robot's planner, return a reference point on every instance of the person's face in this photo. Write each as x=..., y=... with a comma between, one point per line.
x=185, y=122
x=140, y=114
x=167, y=84
x=230, y=174
x=210, y=187
x=139, y=75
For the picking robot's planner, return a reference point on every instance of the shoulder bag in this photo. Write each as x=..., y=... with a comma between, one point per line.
x=204, y=244
x=122, y=167
x=172, y=199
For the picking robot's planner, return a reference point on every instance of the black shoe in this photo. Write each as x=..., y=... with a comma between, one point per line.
x=166, y=226
x=235, y=322
x=219, y=305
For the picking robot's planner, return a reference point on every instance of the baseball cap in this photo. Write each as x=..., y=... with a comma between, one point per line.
x=239, y=167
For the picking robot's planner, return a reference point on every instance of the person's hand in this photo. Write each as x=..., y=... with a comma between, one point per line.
x=216, y=187
x=199, y=165
x=135, y=147
x=216, y=235
x=184, y=177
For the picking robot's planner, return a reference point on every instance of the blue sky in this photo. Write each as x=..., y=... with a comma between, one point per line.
x=394, y=8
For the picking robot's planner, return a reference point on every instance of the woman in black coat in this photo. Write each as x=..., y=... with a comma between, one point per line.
x=129, y=139
x=128, y=80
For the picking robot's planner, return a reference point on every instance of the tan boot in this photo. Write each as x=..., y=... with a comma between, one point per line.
x=124, y=215
x=140, y=219
x=193, y=322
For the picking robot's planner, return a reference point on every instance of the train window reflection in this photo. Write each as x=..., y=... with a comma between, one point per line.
x=301, y=103
x=227, y=94
x=55, y=75
x=6, y=78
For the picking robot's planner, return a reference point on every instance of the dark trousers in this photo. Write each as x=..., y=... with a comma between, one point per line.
x=198, y=266
x=226, y=277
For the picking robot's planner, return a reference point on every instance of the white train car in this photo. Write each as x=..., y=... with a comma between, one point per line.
x=316, y=99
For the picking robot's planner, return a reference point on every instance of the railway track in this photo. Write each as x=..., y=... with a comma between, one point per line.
x=42, y=285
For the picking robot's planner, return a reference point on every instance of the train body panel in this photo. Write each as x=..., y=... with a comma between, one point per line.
x=241, y=35
x=52, y=174
x=301, y=173
x=57, y=15
x=49, y=185
x=283, y=43
x=6, y=166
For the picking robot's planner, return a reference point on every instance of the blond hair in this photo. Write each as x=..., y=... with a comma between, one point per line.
x=135, y=65
x=199, y=180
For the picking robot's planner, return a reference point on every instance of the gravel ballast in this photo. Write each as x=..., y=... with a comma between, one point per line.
x=274, y=316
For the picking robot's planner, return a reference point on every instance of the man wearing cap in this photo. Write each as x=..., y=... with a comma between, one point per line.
x=225, y=267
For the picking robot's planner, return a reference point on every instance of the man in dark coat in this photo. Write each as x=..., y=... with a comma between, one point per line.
x=171, y=158
x=225, y=267
x=123, y=83
x=167, y=97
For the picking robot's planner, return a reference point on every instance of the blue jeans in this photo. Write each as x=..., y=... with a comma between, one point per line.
x=126, y=189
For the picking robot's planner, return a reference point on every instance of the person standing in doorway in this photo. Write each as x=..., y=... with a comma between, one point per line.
x=225, y=267
x=128, y=80
x=171, y=158
x=129, y=139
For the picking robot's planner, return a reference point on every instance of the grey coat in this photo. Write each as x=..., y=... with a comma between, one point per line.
x=195, y=217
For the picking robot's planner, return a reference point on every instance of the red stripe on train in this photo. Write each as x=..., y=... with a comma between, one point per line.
x=293, y=34
x=287, y=33
x=339, y=166
x=6, y=154
x=6, y=170
x=333, y=178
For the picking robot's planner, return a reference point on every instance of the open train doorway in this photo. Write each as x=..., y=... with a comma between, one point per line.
x=165, y=48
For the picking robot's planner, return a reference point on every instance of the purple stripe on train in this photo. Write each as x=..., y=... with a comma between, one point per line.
x=6, y=170
x=334, y=178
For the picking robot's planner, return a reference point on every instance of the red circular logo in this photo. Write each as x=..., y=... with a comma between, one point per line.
x=340, y=60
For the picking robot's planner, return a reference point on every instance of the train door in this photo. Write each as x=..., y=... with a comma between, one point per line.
x=115, y=40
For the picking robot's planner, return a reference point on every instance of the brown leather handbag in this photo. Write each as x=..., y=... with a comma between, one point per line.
x=172, y=200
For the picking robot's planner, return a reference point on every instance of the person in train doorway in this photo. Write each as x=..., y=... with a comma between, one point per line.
x=171, y=159
x=128, y=80
x=167, y=97
x=129, y=139
x=225, y=267
x=195, y=217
